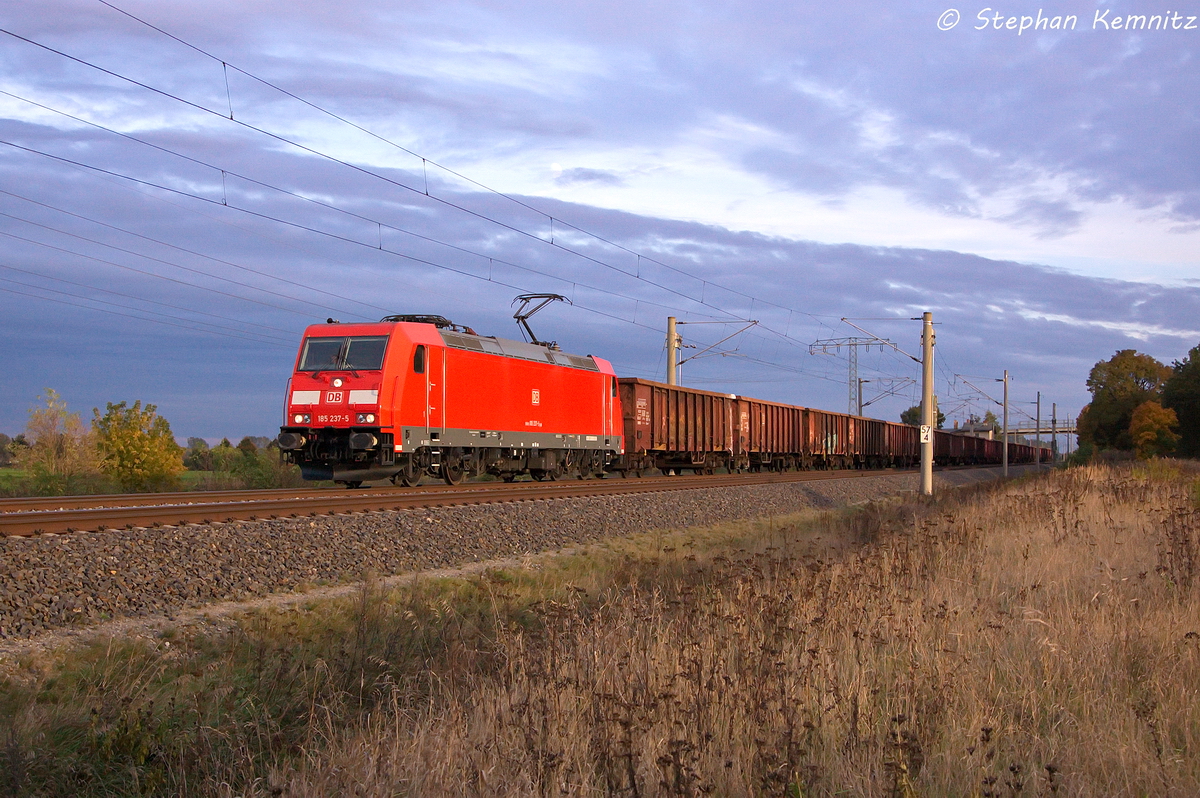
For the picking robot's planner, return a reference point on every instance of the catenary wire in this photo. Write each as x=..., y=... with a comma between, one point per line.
x=426, y=161
x=142, y=318
x=345, y=239
x=138, y=298
x=247, y=334
x=398, y=184
x=312, y=200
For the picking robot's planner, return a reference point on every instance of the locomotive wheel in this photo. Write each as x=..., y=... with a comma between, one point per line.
x=408, y=476
x=452, y=473
x=354, y=484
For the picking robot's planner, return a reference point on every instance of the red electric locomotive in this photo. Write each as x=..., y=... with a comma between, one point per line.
x=415, y=395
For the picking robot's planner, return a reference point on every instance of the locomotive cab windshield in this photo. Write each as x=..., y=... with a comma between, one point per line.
x=343, y=353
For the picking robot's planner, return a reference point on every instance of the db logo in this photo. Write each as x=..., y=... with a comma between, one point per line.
x=537, y=396
x=333, y=398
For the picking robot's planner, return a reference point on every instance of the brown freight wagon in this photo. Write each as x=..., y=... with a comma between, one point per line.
x=771, y=436
x=903, y=444
x=831, y=442
x=669, y=427
x=870, y=441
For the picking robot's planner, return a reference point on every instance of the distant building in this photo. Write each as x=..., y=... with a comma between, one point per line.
x=975, y=430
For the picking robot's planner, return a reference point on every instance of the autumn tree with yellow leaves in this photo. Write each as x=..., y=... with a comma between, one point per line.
x=136, y=446
x=1152, y=429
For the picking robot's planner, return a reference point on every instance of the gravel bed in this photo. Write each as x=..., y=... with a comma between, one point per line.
x=76, y=580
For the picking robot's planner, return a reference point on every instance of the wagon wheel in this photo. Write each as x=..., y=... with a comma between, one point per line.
x=508, y=477
x=353, y=484
x=537, y=474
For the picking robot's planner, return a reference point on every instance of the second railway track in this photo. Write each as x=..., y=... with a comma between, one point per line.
x=29, y=517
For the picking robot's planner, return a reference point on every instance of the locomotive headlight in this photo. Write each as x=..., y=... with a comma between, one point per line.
x=366, y=418
x=301, y=418
x=338, y=382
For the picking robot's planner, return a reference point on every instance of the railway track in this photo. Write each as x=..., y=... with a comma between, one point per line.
x=35, y=516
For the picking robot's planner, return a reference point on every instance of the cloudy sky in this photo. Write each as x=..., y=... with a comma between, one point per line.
x=183, y=187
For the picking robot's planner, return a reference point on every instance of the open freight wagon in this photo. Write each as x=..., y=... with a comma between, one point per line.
x=670, y=428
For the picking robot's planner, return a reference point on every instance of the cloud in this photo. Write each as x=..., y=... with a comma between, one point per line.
x=582, y=175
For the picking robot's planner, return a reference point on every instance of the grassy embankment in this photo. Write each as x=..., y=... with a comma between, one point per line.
x=1038, y=638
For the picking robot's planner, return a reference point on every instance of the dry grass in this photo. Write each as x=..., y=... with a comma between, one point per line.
x=1039, y=639
x=1030, y=639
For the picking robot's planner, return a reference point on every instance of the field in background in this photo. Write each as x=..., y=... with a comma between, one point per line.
x=1034, y=638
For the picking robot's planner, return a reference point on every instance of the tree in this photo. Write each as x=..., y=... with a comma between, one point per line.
x=197, y=457
x=1150, y=429
x=58, y=451
x=224, y=456
x=1118, y=386
x=5, y=450
x=1182, y=394
x=137, y=446
x=989, y=418
x=912, y=416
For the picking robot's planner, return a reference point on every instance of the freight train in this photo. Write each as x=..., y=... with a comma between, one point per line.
x=416, y=395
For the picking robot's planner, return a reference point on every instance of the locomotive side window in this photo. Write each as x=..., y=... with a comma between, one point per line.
x=419, y=359
x=327, y=353
x=614, y=386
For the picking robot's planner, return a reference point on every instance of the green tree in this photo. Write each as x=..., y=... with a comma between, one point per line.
x=1151, y=430
x=1182, y=394
x=197, y=457
x=137, y=446
x=224, y=456
x=1118, y=386
x=59, y=451
x=912, y=417
x=989, y=418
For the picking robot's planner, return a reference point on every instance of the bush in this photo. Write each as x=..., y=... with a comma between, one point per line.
x=137, y=447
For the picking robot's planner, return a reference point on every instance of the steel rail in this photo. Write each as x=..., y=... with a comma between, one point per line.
x=315, y=502
x=176, y=498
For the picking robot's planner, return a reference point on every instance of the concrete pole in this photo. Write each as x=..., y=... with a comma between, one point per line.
x=928, y=421
x=1054, y=432
x=1006, y=422
x=672, y=350
x=860, y=384
x=1038, y=452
